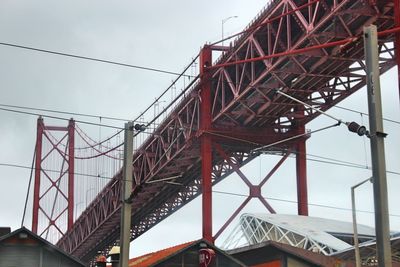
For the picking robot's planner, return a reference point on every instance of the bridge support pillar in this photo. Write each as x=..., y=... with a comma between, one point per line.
x=301, y=170
x=206, y=142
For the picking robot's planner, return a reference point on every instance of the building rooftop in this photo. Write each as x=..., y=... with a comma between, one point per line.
x=311, y=233
x=25, y=236
x=151, y=258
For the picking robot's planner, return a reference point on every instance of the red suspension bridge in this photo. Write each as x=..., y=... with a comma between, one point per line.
x=221, y=119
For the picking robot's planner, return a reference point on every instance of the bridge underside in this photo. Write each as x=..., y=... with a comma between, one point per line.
x=245, y=113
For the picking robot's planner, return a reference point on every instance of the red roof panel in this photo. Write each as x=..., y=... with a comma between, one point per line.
x=151, y=258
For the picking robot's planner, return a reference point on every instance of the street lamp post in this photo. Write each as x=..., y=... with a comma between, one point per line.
x=222, y=26
x=353, y=210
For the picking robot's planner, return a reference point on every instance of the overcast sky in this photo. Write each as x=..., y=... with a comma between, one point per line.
x=166, y=35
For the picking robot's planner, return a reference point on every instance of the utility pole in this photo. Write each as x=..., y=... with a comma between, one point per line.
x=377, y=136
x=126, y=209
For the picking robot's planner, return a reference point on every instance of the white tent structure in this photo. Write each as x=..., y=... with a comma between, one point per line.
x=320, y=235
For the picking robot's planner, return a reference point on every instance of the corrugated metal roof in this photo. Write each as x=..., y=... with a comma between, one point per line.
x=319, y=229
x=151, y=258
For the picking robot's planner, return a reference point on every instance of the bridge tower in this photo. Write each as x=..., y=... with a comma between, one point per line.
x=53, y=198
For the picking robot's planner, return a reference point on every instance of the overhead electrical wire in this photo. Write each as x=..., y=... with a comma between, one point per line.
x=66, y=119
x=91, y=59
x=107, y=117
x=15, y=109
x=54, y=171
x=64, y=112
x=318, y=158
x=295, y=202
x=341, y=164
x=363, y=113
x=59, y=118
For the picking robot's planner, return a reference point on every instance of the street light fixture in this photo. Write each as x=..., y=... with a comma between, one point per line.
x=222, y=26
x=353, y=210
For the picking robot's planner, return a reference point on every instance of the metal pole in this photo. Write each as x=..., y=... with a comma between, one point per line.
x=355, y=231
x=377, y=147
x=126, y=209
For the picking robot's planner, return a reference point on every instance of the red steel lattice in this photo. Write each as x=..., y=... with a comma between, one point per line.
x=233, y=109
x=54, y=186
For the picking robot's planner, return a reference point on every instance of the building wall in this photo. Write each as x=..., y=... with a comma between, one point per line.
x=18, y=255
x=295, y=263
x=276, y=263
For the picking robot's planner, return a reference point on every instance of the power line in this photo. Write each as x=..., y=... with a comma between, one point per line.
x=92, y=59
x=55, y=171
x=333, y=161
x=59, y=118
x=295, y=202
x=14, y=108
x=66, y=119
x=363, y=113
x=64, y=112
x=321, y=158
x=337, y=162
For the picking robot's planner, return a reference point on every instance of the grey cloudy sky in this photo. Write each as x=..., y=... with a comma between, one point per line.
x=166, y=35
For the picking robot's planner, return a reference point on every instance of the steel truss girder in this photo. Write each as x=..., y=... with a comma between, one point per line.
x=240, y=97
x=322, y=78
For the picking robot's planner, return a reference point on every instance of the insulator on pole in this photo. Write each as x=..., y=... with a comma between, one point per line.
x=356, y=128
